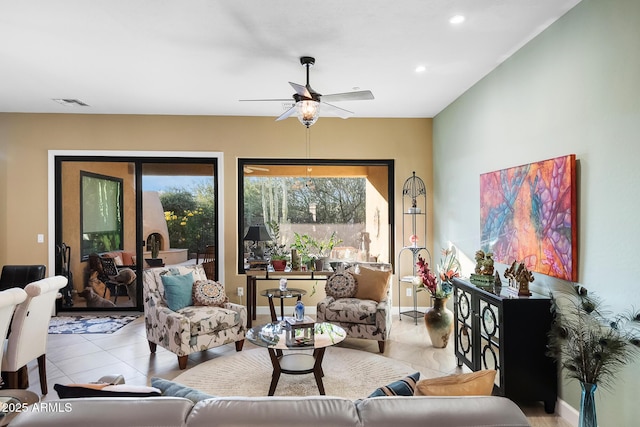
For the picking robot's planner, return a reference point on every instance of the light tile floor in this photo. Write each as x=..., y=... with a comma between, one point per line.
x=85, y=358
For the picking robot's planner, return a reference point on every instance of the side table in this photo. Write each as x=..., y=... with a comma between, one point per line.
x=277, y=293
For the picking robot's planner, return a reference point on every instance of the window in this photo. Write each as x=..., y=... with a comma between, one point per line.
x=101, y=214
x=350, y=200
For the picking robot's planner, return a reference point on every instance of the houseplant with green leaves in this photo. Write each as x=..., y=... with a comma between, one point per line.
x=278, y=252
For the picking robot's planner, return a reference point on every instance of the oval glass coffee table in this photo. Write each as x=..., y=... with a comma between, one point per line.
x=306, y=335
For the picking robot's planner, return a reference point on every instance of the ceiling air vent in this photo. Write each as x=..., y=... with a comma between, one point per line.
x=71, y=102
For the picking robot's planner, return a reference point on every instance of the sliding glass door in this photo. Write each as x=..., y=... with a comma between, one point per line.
x=137, y=211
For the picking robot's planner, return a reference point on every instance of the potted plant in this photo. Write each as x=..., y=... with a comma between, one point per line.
x=303, y=245
x=324, y=248
x=590, y=344
x=278, y=252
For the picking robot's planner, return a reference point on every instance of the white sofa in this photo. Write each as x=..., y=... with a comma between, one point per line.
x=482, y=411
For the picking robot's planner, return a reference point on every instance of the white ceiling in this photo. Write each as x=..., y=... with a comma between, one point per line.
x=199, y=57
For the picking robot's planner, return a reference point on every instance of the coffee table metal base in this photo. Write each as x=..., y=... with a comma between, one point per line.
x=296, y=364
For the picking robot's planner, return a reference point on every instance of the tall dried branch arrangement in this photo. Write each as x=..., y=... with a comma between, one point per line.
x=588, y=341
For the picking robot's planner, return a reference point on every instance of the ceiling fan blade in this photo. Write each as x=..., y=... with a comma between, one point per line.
x=247, y=170
x=287, y=113
x=257, y=168
x=275, y=99
x=336, y=111
x=361, y=95
x=301, y=90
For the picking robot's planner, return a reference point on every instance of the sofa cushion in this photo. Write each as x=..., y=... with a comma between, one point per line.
x=351, y=310
x=209, y=292
x=170, y=388
x=403, y=387
x=207, y=319
x=341, y=285
x=440, y=411
x=72, y=391
x=372, y=284
x=275, y=411
x=177, y=290
x=478, y=383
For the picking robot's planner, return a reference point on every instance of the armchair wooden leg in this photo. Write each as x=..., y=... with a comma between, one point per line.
x=182, y=362
x=152, y=346
x=381, y=346
x=42, y=372
x=239, y=345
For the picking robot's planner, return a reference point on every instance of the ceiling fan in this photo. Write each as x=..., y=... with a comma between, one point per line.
x=251, y=169
x=308, y=101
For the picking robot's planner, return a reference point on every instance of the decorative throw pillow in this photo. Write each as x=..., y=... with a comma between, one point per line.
x=104, y=390
x=478, y=383
x=209, y=292
x=403, y=387
x=341, y=285
x=128, y=258
x=372, y=284
x=117, y=260
x=170, y=388
x=177, y=290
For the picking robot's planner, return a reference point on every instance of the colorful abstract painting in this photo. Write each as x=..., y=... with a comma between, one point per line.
x=528, y=214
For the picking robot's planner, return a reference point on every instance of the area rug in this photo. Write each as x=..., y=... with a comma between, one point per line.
x=89, y=324
x=351, y=374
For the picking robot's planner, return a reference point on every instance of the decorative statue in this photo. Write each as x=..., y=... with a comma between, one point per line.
x=487, y=265
x=484, y=263
x=523, y=277
x=479, y=261
x=519, y=277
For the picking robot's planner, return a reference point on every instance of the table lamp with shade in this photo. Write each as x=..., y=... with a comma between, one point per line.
x=256, y=234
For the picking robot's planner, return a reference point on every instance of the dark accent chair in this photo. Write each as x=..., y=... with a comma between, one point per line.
x=118, y=282
x=19, y=276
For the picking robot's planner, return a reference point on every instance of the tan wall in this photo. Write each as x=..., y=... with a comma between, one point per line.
x=26, y=138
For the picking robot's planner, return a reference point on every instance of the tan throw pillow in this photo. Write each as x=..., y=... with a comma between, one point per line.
x=372, y=284
x=473, y=384
x=209, y=292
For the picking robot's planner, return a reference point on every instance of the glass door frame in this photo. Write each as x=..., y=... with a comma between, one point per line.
x=138, y=158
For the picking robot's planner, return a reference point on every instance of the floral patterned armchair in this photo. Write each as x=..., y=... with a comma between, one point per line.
x=359, y=300
x=192, y=328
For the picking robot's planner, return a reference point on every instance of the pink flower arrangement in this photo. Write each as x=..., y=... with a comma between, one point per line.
x=440, y=286
x=425, y=275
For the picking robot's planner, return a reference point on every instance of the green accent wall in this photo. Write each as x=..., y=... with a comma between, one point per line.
x=574, y=89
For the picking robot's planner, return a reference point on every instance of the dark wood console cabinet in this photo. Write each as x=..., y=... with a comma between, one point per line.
x=496, y=329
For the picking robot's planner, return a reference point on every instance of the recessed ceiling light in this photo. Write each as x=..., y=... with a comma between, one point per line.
x=67, y=102
x=421, y=69
x=457, y=19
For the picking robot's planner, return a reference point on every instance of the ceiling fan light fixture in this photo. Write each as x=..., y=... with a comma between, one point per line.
x=308, y=111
